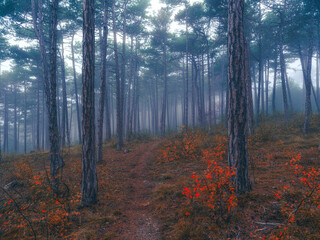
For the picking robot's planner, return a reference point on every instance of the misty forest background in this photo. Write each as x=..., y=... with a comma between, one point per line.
x=194, y=119
x=171, y=66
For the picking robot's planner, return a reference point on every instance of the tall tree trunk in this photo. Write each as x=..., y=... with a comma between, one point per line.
x=25, y=118
x=249, y=91
x=164, y=98
x=193, y=96
x=134, y=94
x=260, y=82
x=209, y=86
x=129, y=133
x=317, y=76
x=267, y=86
x=262, y=90
x=89, y=182
x=15, y=139
x=38, y=113
x=65, y=121
x=203, y=115
x=75, y=88
x=306, y=69
x=108, y=111
x=187, y=75
x=59, y=116
x=70, y=121
x=123, y=73
x=103, y=54
x=213, y=96
x=237, y=114
x=197, y=88
x=283, y=71
x=289, y=92
x=43, y=120
x=56, y=162
x=222, y=88
x=6, y=123
x=256, y=99
x=118, y=85
x=274, y=82
x=0, y=148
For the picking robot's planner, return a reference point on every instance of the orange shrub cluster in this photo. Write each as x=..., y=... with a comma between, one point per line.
x=213, y=188
x=185, y=146
x=300, y=200
x=33, y=210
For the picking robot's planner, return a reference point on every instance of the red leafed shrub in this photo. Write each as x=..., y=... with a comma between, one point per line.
x=300, y=201
x=32, y=210
x=213, y=188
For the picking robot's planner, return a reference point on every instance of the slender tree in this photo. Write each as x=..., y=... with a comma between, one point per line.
x=118, y=85
x=56, y=161
x=103, y=53
x=164, y=97
x=75, y=87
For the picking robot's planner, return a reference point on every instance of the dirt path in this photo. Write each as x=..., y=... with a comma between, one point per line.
x=131, y=176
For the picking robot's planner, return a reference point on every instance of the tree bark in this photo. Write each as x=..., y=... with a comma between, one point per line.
x=187, y=72
x=65, y=120
x=129, y=133
x=213, y=96
x=38, y=113
x=103, y=53
x=75, y=88
x=274, y=83
x=249, y=91
x=283, y=73
x=192, y=96
x=6, y=123
x=89, y=182
x=25, y=118
x=267, y=86
x=209, y=86
x=237, y=114
x=56, y=161
x=108, y=111
x=118, y=87
x=164, y=98
x=317, y=75
x=123, y=73
x=15, y=134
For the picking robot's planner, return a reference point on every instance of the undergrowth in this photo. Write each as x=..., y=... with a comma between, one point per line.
x=198, y=200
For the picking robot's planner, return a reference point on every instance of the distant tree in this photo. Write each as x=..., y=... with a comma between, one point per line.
x=237, y=111
x=75, y=86
x=56, y=161
x=118, y=81
x=160, y=40
x=103, y=54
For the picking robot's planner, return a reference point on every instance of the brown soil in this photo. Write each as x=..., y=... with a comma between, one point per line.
x=130, y=176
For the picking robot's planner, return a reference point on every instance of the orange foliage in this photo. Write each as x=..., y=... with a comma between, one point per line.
x=300, y=200
x=186, y=146
x=213, y=188
x=37, y=210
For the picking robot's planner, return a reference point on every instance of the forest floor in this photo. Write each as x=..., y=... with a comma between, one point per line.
x=131, y=177
x=142, y=192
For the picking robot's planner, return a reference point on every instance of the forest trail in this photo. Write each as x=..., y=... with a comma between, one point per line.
x=131, y=176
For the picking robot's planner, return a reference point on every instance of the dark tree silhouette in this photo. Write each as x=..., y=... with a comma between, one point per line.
x=89, y=183
x=237, y=110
